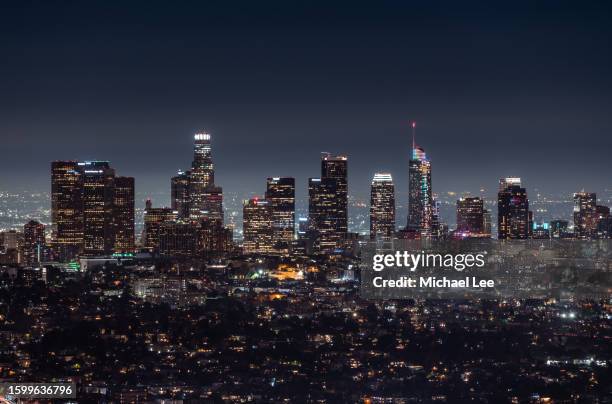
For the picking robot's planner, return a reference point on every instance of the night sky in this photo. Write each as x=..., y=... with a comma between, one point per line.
x=519, y=88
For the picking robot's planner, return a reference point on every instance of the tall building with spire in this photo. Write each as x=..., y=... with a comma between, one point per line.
x=382, y=207
x=420, y=198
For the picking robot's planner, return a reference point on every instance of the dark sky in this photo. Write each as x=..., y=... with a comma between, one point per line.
x=515, y=88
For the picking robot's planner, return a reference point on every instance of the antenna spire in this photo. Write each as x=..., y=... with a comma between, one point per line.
x=413, y=125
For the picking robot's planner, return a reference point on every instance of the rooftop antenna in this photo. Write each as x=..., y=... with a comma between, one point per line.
x=413, y=125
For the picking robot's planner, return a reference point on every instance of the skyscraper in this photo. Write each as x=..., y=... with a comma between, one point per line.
x=98, y=197
x=585, y=214
x=202, y=173
x=67, y=208
x=257, y=226
x=92, y=211
x=470, y=217
x=323, y=214
x=280, y=193
x=335, y=168
x=420, y=198
x=123, y=216
x=512, y=210
x=382, y=207
x=179, y=188
x=154, y=218
x=33, y=242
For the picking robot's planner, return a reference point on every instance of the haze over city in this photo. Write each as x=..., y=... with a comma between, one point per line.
x=496, y=91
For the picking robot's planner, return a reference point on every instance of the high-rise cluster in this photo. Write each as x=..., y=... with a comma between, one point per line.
x=193, y=192
x=92, y=210
x=590, y=219
x=269, y=223
x=328, y=204
x=193, y=226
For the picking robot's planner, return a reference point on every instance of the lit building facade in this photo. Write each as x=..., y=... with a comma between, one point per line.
x=513, y=221
x=382, y=207
x=98, y=196
x=179, y=190
x=123, y=216
x=257, y=226
x=33, y=242
x=67, y=208
x=154, y=218
x=470, y=217
x=280, y=193
x=202, y=174
x=585, y=214
x=420, y=197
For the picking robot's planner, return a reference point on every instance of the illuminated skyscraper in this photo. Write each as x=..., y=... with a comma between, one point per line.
x=470, y=217
x=257, y=226
x=123, y=216
x=420, y=198
x=153, y=220
x=180, y=193
x=512, y=210
x=98, y=197
x=67, y=208
x=323, y=214
x=33, y=242
x=335, y=168
x=585, y=214
x=202, y=174
x=382, y=207
x=280, y=193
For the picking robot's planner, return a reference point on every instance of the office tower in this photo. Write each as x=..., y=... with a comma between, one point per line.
x=98, y=197
x=585, y=214
x=280, y=193
x=153, y=220
x=420, y=198
x=213, y=238
x=512, y=210
x=257, y=226
x=323, y=214
x=335, y=168
x=328, y=203
x=178, y=239
x=486, y=223
x=123, y=216
x=202, y=173
x=67, y=208
x=382, y=207
x=179, y=188
x=212, y=206
x=470, y=217
x=33, y=242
